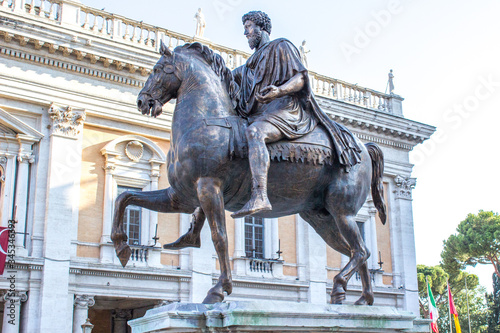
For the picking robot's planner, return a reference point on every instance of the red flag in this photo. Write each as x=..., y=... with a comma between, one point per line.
x=453, y=311
x=4, y=244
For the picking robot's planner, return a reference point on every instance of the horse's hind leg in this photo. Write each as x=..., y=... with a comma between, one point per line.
x=358, y=254
x=325, y=225
x=212, y=203
x=164, y=201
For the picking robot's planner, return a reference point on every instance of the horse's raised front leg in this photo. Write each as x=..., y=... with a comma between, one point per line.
x=164, y=201
x=212, y=203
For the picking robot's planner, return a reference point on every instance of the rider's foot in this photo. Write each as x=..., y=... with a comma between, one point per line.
x=189, y=239
x=257, y=204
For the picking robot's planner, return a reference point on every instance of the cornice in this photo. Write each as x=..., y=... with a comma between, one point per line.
x=380, y=127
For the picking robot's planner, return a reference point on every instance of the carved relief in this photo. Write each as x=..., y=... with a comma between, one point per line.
x=134, y=150
x=66, y=121
x=404, y=186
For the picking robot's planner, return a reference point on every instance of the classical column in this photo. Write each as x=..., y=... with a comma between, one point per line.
x=12, y=311
x=81, y=311
x=120, y=318
x=61, y=216
x=9, y=163
x=402, y=233
x=21, y=200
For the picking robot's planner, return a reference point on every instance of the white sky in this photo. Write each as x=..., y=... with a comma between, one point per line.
x=442, y=53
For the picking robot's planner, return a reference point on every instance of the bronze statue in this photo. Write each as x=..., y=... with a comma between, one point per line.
x=311, y=165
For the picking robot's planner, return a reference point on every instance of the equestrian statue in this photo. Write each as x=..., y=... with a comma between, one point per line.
x=254, y=141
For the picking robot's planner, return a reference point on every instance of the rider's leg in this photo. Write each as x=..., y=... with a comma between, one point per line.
x=192, y=237
x=258, y=134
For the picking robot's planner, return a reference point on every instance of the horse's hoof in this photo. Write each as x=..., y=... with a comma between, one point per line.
x=124, y=253
x=365, y=300
x=213, y=297
x=186, y=240
x=337, y=296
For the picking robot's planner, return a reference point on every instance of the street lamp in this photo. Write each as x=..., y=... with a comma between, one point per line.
x=87, y=327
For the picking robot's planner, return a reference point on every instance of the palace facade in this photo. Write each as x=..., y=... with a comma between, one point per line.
x=71, y=140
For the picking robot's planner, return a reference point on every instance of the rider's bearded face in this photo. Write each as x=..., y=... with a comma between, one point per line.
x=253, y=34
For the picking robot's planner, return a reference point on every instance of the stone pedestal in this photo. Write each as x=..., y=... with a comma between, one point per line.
x=276, y=316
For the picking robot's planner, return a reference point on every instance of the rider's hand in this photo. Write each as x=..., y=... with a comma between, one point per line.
x=268, y=94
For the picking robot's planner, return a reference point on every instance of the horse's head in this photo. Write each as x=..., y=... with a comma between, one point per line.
x=161, y=86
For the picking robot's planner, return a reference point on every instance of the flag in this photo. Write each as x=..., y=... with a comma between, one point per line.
x=4, y=244
x=453, y=311
x=433, y=311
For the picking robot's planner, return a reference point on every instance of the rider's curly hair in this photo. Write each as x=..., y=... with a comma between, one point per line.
x=259, y=18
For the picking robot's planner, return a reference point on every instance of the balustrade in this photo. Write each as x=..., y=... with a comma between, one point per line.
x=119, y=28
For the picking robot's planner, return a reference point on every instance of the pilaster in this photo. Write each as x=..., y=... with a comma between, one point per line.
x=402, y=232
x=315, y=252
x=61, y=218
x=239, y=247
x=201, y=266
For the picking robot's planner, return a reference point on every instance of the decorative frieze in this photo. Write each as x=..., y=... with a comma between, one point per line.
x=404, y=186
x=66, y=121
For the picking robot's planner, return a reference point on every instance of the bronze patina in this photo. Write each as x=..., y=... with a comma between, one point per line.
x=254, y=141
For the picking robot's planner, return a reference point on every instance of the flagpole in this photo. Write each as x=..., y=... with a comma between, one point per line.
x=467, y=296
x=449, y=303
x=428, y=297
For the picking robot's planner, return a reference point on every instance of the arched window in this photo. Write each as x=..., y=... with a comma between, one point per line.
x=132, y=163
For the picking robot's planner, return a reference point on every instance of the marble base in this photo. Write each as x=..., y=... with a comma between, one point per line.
x=276, y=316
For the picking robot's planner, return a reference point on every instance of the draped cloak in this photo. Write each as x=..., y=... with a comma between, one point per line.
x=294, y=115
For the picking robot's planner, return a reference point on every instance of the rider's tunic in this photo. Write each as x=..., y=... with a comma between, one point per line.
x=274, y=64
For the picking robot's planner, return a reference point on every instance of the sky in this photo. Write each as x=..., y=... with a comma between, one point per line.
x=445, y=57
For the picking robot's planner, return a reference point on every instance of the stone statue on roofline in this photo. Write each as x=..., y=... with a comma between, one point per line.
x=200, y=23
x=303, y=53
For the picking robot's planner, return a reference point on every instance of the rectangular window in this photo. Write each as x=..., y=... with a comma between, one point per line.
x=254, y=237
x=131, y=218
x=361, y=227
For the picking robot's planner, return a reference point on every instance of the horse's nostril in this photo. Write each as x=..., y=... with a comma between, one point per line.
x=139, y=103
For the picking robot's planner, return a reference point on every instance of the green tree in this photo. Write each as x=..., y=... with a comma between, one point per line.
x=477, y=241
x=494, y=306
x=437, y=277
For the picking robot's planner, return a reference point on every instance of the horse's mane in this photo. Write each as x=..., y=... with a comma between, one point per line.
x=217, y=64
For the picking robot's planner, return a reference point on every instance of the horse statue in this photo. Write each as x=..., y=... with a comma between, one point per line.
x=209, y=172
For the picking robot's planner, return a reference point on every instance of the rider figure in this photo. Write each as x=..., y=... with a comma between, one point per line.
x=273, y=97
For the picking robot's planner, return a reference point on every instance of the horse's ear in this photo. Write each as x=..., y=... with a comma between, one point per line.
x=164, y=49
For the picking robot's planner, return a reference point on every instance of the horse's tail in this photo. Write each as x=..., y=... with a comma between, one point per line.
x=377, y=158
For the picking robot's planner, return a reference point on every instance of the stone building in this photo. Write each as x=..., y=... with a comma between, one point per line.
x=71, y=139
